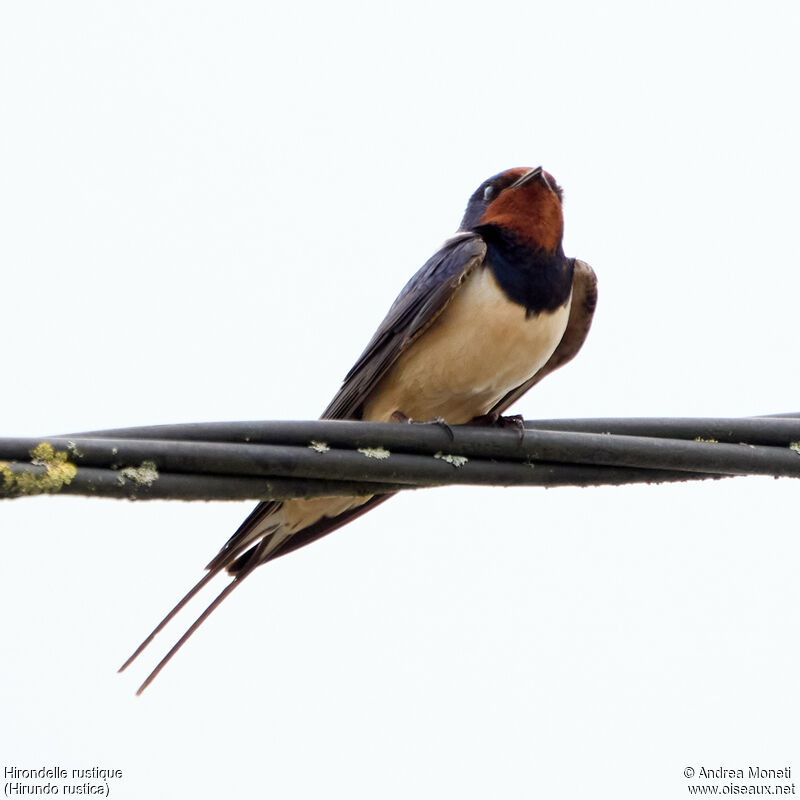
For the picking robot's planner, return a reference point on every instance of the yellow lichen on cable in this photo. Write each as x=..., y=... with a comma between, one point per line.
x=57, y=473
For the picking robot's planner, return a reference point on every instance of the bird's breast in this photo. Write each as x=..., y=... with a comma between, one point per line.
x=481, y=346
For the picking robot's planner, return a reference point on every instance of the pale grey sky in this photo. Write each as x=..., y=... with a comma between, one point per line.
x=206, y=209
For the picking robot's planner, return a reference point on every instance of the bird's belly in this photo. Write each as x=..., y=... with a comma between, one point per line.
x=481, y=347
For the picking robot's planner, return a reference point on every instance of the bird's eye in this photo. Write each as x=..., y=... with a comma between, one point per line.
x=488, y=193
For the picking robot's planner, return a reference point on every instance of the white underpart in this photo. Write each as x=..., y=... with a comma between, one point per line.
x=481, y=347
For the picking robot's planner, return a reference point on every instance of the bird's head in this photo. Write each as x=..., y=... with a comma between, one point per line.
x=523, y=202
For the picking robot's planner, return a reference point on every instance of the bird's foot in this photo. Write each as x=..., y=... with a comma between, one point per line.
x=399, y=416
x=442, y=424
x=495, y=420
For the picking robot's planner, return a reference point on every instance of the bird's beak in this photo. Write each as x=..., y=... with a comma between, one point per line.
x=536, y=172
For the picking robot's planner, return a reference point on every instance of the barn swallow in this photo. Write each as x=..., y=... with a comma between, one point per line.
x=496, y=309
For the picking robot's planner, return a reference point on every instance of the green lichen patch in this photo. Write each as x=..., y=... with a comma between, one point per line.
x=57, y=472
x=702, y=439
x=795, y=446
x=374, y=452
x=146, y=474
x=455, y=461
x=319, y=447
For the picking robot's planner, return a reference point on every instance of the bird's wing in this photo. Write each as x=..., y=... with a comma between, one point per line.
x=416, y=308
x=584, y=301
x=420, y=302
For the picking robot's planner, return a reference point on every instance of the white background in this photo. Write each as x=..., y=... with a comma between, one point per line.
x=206, y=209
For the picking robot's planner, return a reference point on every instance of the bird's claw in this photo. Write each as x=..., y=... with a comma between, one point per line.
x=495, y=420
x=515, y=421
x=399, y=416
x=442, y=424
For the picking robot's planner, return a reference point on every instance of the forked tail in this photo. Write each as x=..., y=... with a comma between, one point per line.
x=253, y=544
